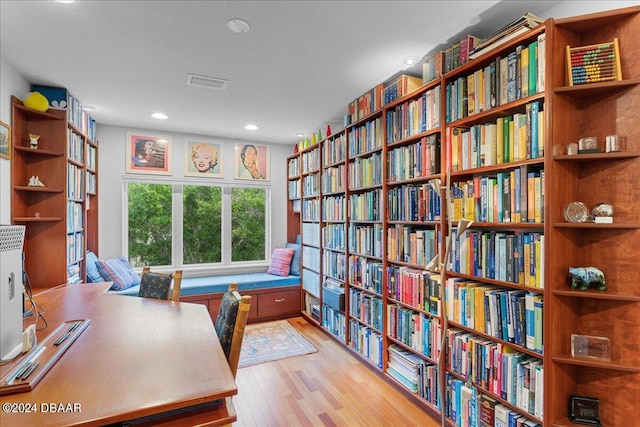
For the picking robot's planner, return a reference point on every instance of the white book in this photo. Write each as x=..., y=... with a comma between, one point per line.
x=542, y=42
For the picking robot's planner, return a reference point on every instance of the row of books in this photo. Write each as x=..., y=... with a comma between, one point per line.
x=365, y=171
x=311, y=258
x=414, y=373
x=507, y=373
x=294, y=190
x=366, y=307
x=365, y=273
x=414, y=116
x=365, y=239
x=73, y=274
x=311, y=210
x=414, y=329
x=312, y=306
x=310, y=233
x=513, y=257
x=366, y=341
x=293, y=167
x=75, y=216
x=333, y=237
x=92, y=153
x=467, y=406
x=509, y=139
x=75, y=146
x=365, y=138
x=413, y=203
x=505, y=79
x=333, y=149
x=457, y=53
x=415, y=287
x=75, y=182
x=513, y=196
x=412, y=245
x=334, y=208
x=80, y=119
x=310, y=185
x=416, y=160
x=334, y=321
x=366, y=206
x=334, y=265
x=311, y=282
x=310, y=161
x=334, y=179
x=92, y=185
x=376, y=98
x=75, y=247
x=512, y=315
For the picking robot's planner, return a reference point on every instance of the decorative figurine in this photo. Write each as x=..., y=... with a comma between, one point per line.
x=33, y=141
x=34, y=181
x=583, y=278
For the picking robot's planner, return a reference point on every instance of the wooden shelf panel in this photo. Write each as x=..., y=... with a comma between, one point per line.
x=34, y=219
x=595, y=294
x=38, y=189
x=593, y=363
x=593, y=225
x=589, y=90
x=37, y=152
x=600, y=156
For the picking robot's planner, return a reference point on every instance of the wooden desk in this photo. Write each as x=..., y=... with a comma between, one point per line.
x=138, y=357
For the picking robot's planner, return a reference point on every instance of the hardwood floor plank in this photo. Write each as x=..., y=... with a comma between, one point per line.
x=333, y=387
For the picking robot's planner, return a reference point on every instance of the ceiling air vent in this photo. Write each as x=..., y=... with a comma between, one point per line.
x=208, y=82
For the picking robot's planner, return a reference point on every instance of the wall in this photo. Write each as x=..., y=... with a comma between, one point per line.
x=112, y=159
x=11, y=83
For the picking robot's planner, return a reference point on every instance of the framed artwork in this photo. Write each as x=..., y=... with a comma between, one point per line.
x=149, y=154
x=5, y=140
x=204, y=159
x=251, y=162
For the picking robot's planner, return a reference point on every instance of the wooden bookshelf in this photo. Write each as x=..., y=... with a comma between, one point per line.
x=539, y=245
x=61, y=217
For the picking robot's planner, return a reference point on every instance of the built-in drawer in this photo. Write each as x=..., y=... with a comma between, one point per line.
x=278, y=303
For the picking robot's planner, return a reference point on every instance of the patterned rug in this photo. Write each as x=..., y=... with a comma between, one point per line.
x=265, y=342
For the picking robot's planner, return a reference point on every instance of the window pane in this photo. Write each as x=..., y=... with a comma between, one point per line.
x=149, y=211
x=202, y=225
x=248, y=224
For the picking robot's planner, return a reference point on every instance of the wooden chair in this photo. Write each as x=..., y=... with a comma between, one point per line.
x=159, y=285
x=230, y=324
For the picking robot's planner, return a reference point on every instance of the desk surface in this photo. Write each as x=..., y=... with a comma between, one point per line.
x=137, y=357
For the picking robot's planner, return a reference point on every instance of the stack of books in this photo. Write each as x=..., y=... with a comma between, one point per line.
x=520, y=26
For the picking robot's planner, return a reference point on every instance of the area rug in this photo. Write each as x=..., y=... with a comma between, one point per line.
x=269, y=341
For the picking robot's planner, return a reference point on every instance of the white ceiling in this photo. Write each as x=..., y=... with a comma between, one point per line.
x=295, y=71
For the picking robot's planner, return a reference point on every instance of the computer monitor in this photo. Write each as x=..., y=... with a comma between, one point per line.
x=11, y=290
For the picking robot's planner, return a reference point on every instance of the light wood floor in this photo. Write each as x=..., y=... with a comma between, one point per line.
x=332, y=387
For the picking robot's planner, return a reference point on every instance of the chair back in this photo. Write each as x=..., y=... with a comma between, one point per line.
x=230, y=324
x=159, y=285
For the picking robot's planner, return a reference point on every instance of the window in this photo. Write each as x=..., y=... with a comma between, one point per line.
x=181, y=224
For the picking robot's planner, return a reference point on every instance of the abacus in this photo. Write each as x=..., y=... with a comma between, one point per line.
x=594, y=63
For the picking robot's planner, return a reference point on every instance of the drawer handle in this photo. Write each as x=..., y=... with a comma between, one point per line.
x=280, y=300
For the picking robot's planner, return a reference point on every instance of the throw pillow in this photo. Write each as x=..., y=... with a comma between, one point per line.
x=295, y=262
x=93, y=274
x=118, y=271
x=281, y=261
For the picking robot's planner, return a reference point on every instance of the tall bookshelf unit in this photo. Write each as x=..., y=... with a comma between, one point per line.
x=501, y=311
x=61, y=217
x=594, y=109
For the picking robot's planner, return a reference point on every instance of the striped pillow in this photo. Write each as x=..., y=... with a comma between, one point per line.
x=118, y=271
x=281, y=261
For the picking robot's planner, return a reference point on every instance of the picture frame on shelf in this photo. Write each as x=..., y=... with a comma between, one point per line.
x=204, y=159
x=5, y=141
x=251, y=161
x=149, y=154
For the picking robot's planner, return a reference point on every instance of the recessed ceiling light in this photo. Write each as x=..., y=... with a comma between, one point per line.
x=88, y=107
x=238, y=25
x=410, y=60
x=159, y=116
x=65, y=1
x=251, y=127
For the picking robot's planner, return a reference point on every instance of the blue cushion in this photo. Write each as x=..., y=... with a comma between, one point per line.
x=294, y=270
x=93, y=274
x=119, y=272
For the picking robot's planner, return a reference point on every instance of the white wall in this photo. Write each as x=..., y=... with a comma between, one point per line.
x=112, y=160
x=11, y=83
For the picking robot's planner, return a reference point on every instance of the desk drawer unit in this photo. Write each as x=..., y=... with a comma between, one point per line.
x=274, y=304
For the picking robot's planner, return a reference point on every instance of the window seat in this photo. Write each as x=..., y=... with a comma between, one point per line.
x=273, y=297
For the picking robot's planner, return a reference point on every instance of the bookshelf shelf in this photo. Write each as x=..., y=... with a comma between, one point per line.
x=535, y=250
x=61, y=224
x=592, y=363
